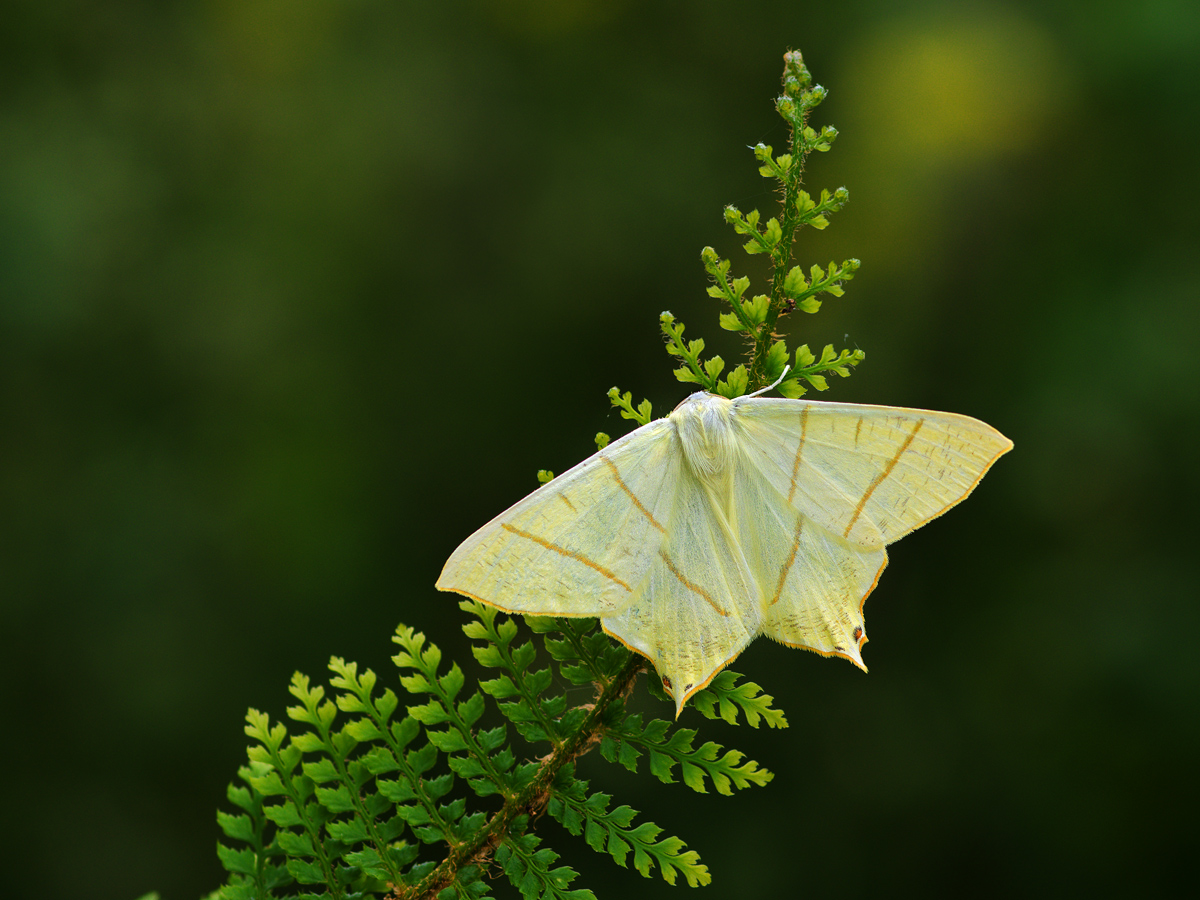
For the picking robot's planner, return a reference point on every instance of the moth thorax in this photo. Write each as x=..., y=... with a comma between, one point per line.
x=709, y=444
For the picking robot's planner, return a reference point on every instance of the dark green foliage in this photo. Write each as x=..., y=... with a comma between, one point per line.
x=612, y=832
x=371, y=798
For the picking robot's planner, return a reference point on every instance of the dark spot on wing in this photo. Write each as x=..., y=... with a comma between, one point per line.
x=857, y=632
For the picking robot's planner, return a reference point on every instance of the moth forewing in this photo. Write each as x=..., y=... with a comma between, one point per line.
x=580, y=544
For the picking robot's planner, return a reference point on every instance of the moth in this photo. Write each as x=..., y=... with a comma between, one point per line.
x=728, y=519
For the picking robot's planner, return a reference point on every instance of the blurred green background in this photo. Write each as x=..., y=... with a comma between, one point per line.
x=295, y=295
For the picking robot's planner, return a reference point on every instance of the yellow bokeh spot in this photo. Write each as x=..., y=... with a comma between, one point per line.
x=275, y=38
x=961, y=89
x=929, y=100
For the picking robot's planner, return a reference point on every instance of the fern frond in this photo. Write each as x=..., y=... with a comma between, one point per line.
x=612, y=832
x=536, y=719
x=487, y=771
x=724, y=697
x=668, y=749
x=528, y=868
x=366, y=806
x=254, y=873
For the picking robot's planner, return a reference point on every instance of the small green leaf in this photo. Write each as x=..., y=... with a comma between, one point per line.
x=693, y=777
x=321, y=771
x=471, y=709
x=431, y=713
x=624, y=402
x=730, y=322
x=791, y=388
x=793, y=282
x=774, y=233
x=734, y=384
x=756, y=309
x=777, y=358
x=447, y=741
x=243, y=862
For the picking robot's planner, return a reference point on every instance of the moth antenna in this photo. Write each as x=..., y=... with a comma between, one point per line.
x=771, y=387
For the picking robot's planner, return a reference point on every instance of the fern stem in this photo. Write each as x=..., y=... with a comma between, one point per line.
x=572, y=637
x=312, y=829
x=532, y=800
x=338, y=757
x=781, y=257
x=406, y=769
x=531, y=699
x=360, y=688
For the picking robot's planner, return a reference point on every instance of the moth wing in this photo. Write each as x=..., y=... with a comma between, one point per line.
x=580, y=544
x=812, y=582
x=698, y=606
x=869, y=474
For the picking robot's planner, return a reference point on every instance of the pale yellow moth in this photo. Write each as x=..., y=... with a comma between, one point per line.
x=728, y=519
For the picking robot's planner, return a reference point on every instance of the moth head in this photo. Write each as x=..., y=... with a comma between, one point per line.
x=709, y=444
